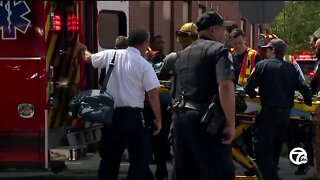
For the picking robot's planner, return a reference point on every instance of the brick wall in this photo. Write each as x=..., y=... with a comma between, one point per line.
x=162, y=22
x=139, y=13
x=177, y=19
x=140, y=18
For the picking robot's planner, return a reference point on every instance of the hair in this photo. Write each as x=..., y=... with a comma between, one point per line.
x=153, y=40
x=121, y=42
x=236, y=33
x=138, y=37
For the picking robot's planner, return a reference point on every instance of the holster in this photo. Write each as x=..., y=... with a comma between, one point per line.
x=214, y=117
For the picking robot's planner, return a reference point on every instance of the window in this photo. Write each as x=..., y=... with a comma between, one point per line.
x=185, y=11
x=166, y=10
x=201, y=9
x=243, y=25
x=111, y=24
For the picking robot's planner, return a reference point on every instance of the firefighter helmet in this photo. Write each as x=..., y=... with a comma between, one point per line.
x=189, y=28
x=264, y=39
x=187, y=34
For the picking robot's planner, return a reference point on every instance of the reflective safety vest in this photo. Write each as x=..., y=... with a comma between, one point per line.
x=288, y=58
x=247, y=65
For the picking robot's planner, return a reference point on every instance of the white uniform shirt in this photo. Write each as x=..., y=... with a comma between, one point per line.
x=130, y=78
x=296, y=65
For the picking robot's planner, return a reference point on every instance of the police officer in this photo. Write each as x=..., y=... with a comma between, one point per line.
x=204, y=69
x=277, y=81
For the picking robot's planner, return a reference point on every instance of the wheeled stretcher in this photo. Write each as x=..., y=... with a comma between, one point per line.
x=300, y=113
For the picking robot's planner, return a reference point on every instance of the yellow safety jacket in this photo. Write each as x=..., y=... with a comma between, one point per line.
x=247, y=65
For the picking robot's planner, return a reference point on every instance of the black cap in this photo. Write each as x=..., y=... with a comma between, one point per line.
x=277, y=44
x=211, y=18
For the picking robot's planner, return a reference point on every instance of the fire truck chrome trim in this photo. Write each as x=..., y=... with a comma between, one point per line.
x=20, y=58
x=46, y=139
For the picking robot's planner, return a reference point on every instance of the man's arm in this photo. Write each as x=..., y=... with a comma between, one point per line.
x=153, y=96
x=305, y=91
x=253, y=81
x=296, y=65
x=84, y=53
x=87, y=57
x=227, y=100
x=151, y=85
x=225, y=77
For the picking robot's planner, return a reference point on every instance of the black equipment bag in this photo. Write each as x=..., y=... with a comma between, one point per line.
x=94, y=105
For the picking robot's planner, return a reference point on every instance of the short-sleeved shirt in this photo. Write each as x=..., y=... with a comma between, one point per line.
x=130, y=78
x=199, y=69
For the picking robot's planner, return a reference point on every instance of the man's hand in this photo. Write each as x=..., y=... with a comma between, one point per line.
x=87, y=56
x=157, y=126
x=153, y=96
x=227, y=99
x=81, y=49
x=229, y=132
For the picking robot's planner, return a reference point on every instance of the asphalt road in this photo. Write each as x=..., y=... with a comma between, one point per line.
x=87, y=170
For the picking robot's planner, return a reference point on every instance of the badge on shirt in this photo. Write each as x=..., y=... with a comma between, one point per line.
x=230, y=57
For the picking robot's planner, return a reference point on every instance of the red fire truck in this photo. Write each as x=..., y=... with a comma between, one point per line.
x=40, y=71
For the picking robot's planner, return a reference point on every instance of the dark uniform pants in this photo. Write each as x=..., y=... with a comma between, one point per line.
x=127, y=131
x=160, y=142
x=270, y=134
x=197, y=155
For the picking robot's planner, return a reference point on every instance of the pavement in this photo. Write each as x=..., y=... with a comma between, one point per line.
x=87, y=170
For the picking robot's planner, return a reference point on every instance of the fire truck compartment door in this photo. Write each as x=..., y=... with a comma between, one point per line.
x=22, y=103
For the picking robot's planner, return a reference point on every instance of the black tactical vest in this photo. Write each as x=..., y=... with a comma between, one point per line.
x=195, y=72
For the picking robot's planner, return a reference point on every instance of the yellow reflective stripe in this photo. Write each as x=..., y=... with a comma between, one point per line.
x=288, y=58
x=249, y=59
x=242, y=80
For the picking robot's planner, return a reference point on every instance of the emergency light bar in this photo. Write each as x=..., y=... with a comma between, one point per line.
x=73, y=23
x=57, y=23
x=305, y=56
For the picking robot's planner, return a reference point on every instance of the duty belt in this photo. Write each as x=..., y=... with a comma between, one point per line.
x=201, y=107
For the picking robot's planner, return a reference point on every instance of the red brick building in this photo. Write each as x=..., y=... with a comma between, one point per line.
x=165, y=17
